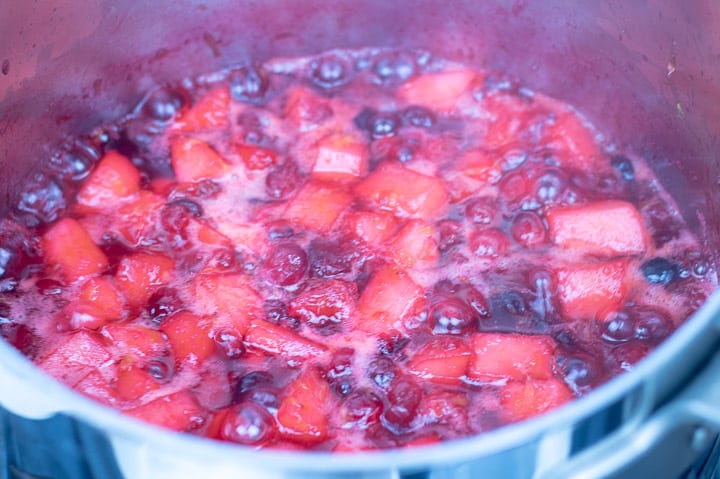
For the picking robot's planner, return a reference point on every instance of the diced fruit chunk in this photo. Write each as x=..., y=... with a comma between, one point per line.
x=414, y=243
x=138, y=275
x=574, y=140
x=69, y=247
x=133, y=381
x=75, y=357
x=179, y=411
x=511, y=356
x=193, y=160
x=317, y=206
x=230, y=297
x=305, y=109
x=189, y=336
x=443, y=360
x=587, y=289
x=340, y=157
x=282, y=342
x=521, y=400
x=437, y=91
x=389, y=297
x=302, y=415
x=137, y=218
x=603, y=228
x=256, y=157
x=405, y=193
x=333, y=302
x=372, y=227
x=210, y=111
x=114, y=178
x=136, y=341
x=99, y=302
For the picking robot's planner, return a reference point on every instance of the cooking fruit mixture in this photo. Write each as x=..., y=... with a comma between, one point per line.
x=359, y=250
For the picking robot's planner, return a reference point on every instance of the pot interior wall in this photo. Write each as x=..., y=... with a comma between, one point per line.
x=645, y=71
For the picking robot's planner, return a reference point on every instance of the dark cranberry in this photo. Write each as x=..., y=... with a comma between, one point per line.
x=383, y=124
x=49, y=287
x=580, y=372
x=164, y=103
x=19, y=251
x=659, y=271
x=528, y=229
x=330, y=71
x=193, y=208
x=43, y=200
x=279, y=230
x=449, y=234
x=544, y=284
x=449, y=315
x=393, y=67
x=625, y=356
x=488, y=243
x=163, y=303
x=114, y=248
x=624, y=166
x=201, y=189
x=475, y=299
x=617, y=326
x=248, y=423
x=550, y=185
x=664, y=223
x=248, y=83
x=382, y=371
x=253, y=380
x=651, y=325
x=175, y=219
x=74, y=164
x=282, y=180
x=361, y=408
x=392, y=343
x=229, y=342
x=340, y=364
x=512, y=302
x=418, y=116
x=514, y=187
x=404, y=398
x=276, y=312
x=159, y=370
x=480, y=210
x=329, y=258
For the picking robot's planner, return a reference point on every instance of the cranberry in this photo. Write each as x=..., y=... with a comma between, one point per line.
x=480, y=210
x=664, y=225
x=74, y=164
x=330, y=258
x=164, y=303
x=549, y=186
x=475, y=299
x=164, y=103
x=279, y=230
x=248, y=423
x=276, y=312
x=488, y=243
x=580, y=372
x=617, y=326
x=512, y=302
x=659, y=271
x=383, y=124
x=544, y=284
x=42, y=202
x=418, y=116
x=19, y=251
x=230, y=343
x=282, y=180
x=285, y=264
x=159, y=370
x=528, y=229
x=330, y=71
x=49, y=287
x=382, y=371
x=449, y=315
x=392, y=343
x=404, y=398
x=514, y=187
x=393, y=67
x=257, y=387
x=361, y=408
x=190, y=206
x=624, y=166
x=449, y=234
x=201, y=189
x=249, y=83
x=339, y=372
x=651, y=325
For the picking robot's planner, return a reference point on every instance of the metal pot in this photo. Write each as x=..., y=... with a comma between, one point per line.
x=645, y=71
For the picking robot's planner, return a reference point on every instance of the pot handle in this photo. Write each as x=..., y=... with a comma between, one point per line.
x=680, y=437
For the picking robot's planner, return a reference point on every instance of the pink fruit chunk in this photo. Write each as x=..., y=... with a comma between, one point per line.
x=230, y=298
x=438, y=91
x=178, y=411
x=210, y=111
x=415, y=243
x=333, y=302
x=98, y=303
x=302, y=415
x=585, y=290
x=140, y=274
x=136, y=341
x=443, y=360
x=194, y=160
x=511, y=356
x=390, y=297
x=282, y=342
x=340, y=157
x=374, y=228
x=405, y=193
x=522, y=400
x=256, y=157
x=75, y=357
x=189, y=337
x=69, y=247
x=603, y=228
x=113, y=179
x=317, y=206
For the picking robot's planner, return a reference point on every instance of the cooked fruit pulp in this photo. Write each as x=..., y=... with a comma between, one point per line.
x=359, y=250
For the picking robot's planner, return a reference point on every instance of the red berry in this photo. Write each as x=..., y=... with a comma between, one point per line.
x=248, y=423
x=528, y=229
x=285, y=264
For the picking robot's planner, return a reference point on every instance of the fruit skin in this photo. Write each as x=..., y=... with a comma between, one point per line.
x=302, y=415
x=511, y=356
x=69, y=247
x=332, y=302
x=585, y=290
x=602, y=228
x=282, y=342
x=389, y=297
x=403, y=192
x=113, y=179
x=193, y=160
x=442, y=360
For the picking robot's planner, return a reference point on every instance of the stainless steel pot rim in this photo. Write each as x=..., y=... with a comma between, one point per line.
x=105, y=418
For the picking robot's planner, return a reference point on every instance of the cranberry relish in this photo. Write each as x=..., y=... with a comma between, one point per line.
x=364, y=249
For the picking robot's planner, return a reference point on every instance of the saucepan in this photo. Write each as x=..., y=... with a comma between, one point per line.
x=646, y=71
